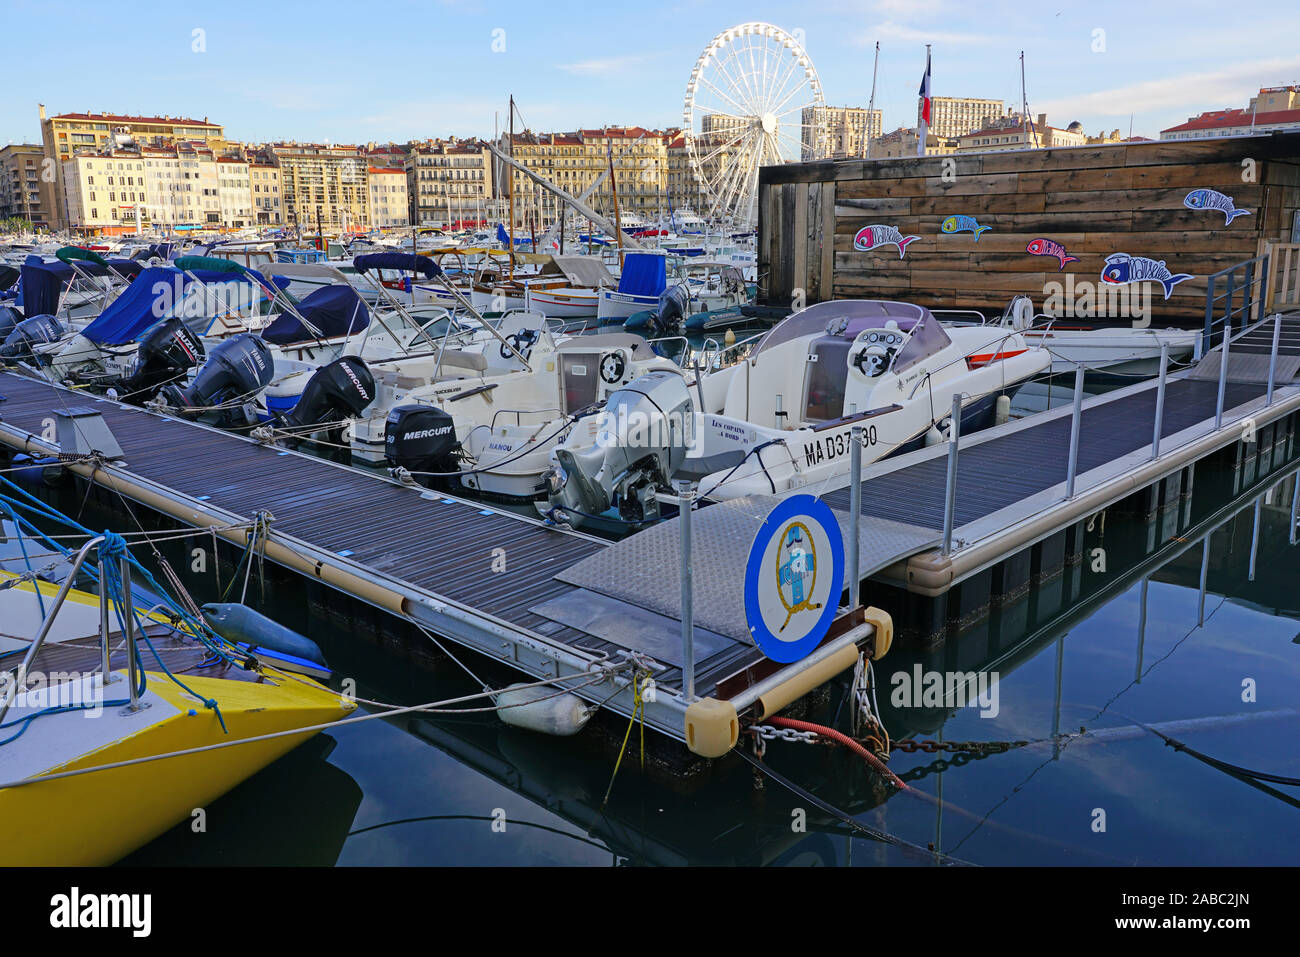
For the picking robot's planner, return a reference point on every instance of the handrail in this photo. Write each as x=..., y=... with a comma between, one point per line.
x=1249, y=295
x=12, y=692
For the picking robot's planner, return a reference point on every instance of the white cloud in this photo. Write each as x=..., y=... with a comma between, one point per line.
x=603, y=67
x=1192, y=93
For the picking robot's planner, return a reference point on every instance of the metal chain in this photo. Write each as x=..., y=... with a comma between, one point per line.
x=768, y=733
x=963, y=752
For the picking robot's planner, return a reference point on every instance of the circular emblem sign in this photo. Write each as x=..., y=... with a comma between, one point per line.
x=793, y=578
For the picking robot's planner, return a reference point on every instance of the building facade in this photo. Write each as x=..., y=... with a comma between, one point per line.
x=388, y=205
x=905, y=142
x=235, y=192
x=838, y=132
x=64, y=135
x=26, y=185
x=448, y=183
x=954, y=116
x=264, y=183
x=1273, y=109
x=322, y=185
x=1017, y=132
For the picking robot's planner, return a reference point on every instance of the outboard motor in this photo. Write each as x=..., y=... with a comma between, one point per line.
x=238, y=368
x=166, y=352
x=422, y=438
x=644, y=432
x=673, y=307
x=335, y=392
x=20, y=344
x=10, y=316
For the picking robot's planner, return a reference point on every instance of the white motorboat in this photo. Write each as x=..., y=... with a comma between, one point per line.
x=781, y=420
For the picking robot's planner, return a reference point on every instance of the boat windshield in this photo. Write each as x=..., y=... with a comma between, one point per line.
x=848, y=317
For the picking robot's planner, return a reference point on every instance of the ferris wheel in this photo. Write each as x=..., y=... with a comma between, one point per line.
x=753, y=100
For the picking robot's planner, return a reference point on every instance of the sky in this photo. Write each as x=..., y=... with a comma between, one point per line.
x=396, y=70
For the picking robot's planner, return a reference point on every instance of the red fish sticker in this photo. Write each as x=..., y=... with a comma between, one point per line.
x=1050, y=247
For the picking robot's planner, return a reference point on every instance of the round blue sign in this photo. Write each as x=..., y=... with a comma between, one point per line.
x=794, y=577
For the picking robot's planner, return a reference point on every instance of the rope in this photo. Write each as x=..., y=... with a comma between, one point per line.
x=840, y=737
x=638, y=711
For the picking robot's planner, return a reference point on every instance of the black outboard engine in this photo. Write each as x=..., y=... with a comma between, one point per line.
x=670, y=313
x=10, y=316
x=36, y=331
x=166, y=352
x=335, y=392
x=237, y=368
x=422, y=438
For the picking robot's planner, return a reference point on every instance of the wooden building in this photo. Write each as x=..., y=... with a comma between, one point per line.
x=1095, y=201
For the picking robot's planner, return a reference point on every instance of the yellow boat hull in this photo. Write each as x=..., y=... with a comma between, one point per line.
x=100, y=817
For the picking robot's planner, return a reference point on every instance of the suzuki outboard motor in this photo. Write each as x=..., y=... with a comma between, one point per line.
x=166, y=352
x=237, y=368
x=667, y=316
x=335, y=392
x=37, y=331
x=422, y=438
x=644, y=432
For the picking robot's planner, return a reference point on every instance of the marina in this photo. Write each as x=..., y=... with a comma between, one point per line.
x=822, y=473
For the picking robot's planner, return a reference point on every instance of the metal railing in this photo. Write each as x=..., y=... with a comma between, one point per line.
x=14, y=687
x=1249, y=281
x=1283, y=291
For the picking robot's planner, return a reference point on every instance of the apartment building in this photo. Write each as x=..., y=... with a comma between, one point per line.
x=1018, y=132
x=64, y=135
x=264, y=184
x=904, y=142
x=322, y=184
x=954, y=116
x=448, y=183
x=1273, y=109
x=388, y=204
x=26, y=191
x=234, y=191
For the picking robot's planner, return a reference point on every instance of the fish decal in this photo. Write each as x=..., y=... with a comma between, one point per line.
x=959, y=224
x=1121, y=269
x=871, y=237
x=1213, y=199
x=1050, y=247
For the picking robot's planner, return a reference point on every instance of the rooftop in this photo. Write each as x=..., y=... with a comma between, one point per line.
x=1220, y=119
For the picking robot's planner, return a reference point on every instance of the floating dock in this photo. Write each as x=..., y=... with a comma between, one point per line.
x=554, y=603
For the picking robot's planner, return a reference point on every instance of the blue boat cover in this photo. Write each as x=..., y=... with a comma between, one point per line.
x=404, y=261
x=504, y=237
x=43, y=281
x=161, y=250
x=644, y=274
x=333, y=310
x=148, y=300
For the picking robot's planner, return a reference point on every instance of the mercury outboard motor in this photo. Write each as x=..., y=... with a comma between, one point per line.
x=20, y=344
x=644, y=432
x=335, y=392
x=238, y=368
x=166, y=352
x=422, y=438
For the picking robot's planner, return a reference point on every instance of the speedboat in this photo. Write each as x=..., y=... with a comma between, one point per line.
x=782, y=419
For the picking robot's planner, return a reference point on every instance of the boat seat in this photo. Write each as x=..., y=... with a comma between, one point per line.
x=460, y=359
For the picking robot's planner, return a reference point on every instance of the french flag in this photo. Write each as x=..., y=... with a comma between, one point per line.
x=924, y=94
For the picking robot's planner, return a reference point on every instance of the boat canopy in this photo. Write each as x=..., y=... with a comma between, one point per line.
x=332, y=311
x=407, y=262
x=42, y=280
x=579, y=271
x=8, y=276
x=644, y=274
x=849, y=317
x=210, y=263
x=155, y=295
x=69, y=254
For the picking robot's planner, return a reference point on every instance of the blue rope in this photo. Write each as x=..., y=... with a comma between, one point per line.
x=27, y=720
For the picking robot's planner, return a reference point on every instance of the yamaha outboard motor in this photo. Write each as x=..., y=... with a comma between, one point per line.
x=422, y=438
x=237, y=369
x=644, y=432
x=19, y=345
x=166, y=352
x=335, y=392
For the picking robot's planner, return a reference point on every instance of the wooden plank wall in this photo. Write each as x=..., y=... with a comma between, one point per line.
x=1093, y=200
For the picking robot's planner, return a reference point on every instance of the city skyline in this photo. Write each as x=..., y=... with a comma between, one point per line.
x=307, y=74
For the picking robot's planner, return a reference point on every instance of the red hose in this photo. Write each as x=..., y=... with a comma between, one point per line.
x=840, y=738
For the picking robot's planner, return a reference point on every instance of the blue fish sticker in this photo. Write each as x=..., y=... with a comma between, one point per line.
x=961, y=224
x=1122, y=269
x=1213, y=199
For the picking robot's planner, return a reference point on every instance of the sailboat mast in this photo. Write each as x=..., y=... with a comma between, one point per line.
x=871, y=104
x=1025, y=123
x=613, y=185
x=511, y=237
